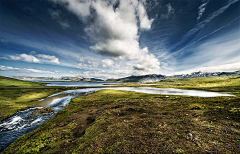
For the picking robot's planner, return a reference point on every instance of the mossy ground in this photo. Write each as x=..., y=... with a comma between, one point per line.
x=111, y=121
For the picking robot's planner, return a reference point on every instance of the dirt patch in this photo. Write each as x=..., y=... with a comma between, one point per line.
x=48, y=100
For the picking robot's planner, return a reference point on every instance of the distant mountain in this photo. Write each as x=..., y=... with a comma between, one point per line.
x=205, y=74
x=74, y=78
x=94, y=79
x=32, y=78
x=142, y=79
x=158, y=77
x=65, y=78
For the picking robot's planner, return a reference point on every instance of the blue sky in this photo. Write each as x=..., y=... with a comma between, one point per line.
x=118, y=38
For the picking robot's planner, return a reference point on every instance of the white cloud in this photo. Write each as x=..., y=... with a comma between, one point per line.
x=201, y=9
x=107, y=62
x=219, y=68
x=79, y=65
x=80, y=59
x=81, y=8
x=29, y=58
x=145, y=23
x=114, y=28
x=94, y=64
x=52, y=58
x=24, y=57
x=11, y=57
x=8, y=68
x=95, y=74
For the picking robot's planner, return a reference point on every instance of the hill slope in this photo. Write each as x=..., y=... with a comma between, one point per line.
x=10, y=82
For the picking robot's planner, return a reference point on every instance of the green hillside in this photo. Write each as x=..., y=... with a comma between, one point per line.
x=17, y=94
x=10, y=82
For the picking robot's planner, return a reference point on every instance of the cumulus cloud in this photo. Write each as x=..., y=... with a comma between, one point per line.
x=80, y=8
x=8, y=68
x=24, y=57
x=107, y=62
x=52, y=58
x=145, y=23
x=115, y=26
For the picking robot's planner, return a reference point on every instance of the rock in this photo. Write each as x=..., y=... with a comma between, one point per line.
x=43, y=111
x=189, y=136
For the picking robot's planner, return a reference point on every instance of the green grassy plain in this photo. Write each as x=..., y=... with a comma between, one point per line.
x=111, y=121
x=10, y=82
x=17, y=94
x=217, y=84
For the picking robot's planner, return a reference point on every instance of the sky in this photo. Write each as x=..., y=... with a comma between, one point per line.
x=118, y=38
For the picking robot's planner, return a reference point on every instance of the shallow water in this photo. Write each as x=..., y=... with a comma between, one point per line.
x=21, y=124
x=172, y=91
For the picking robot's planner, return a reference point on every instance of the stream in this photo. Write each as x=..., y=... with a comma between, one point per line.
x=22, y=123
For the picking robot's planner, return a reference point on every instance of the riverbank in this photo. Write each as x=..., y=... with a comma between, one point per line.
x=16, y=95
x=111, y=121
x=48, y=100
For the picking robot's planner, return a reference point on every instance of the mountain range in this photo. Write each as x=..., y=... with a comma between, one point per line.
x=141, y=79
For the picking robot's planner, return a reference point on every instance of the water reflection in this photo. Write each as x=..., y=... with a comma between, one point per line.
x=172, y=91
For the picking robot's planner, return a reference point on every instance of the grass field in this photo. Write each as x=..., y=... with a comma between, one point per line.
x=17, y=94
x=111, y=121
x=10, y=82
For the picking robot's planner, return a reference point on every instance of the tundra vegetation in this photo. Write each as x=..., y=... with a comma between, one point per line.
x=113, y=121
